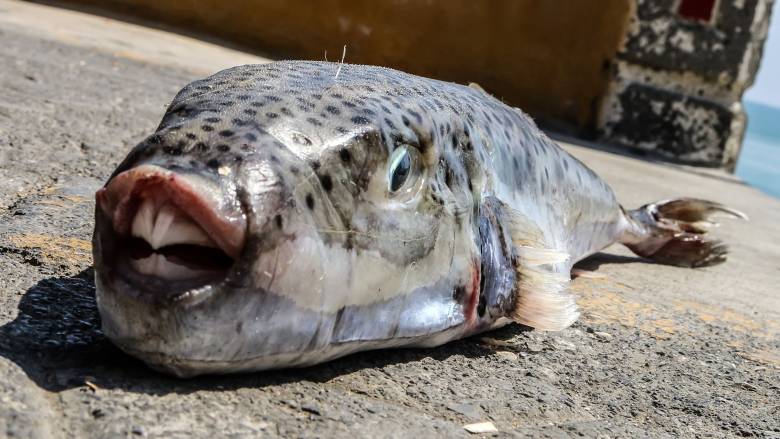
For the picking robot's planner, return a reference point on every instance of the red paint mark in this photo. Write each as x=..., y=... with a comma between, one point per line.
x=471, y=306
x=698, y=10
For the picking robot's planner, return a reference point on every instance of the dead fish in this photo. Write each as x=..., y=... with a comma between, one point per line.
x=289, y=213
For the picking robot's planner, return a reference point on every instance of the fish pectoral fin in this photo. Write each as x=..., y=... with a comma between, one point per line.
x=542, y=297
x=543, y=300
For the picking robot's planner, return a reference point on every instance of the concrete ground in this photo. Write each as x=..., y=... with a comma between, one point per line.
x=660, y=351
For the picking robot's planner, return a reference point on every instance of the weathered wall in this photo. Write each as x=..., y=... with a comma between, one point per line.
x=678, y=82
x=553, y=62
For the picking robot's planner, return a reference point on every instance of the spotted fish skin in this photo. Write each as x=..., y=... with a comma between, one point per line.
x=284, y=167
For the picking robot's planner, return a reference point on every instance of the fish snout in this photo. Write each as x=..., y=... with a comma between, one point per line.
x=169, y=231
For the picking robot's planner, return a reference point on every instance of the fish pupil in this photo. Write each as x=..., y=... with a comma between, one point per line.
x=400, y=171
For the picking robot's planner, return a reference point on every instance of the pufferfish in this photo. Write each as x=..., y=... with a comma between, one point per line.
x=290, y=213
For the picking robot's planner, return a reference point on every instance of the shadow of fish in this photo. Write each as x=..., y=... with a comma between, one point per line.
x=283, y=215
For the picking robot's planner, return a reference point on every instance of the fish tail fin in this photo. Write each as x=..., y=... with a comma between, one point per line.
x=674, y=232
x=542, y=298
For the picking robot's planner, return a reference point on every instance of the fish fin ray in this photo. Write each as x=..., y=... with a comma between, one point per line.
x=542, y=296
x=674, y=232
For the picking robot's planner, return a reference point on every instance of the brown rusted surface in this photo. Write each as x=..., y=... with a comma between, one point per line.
x=551, y=61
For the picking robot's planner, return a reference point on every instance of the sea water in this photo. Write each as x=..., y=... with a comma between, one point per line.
x=759, y=160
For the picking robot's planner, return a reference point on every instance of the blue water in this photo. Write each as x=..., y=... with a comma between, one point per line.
x=759, y=161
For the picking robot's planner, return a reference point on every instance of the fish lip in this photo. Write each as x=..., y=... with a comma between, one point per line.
x=125, y=280
x=117, y=204
x=224, y=222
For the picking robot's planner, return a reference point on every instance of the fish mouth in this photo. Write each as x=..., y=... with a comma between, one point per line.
x=168, y=234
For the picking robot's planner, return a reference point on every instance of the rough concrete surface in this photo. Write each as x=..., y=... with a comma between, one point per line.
x=660, y=351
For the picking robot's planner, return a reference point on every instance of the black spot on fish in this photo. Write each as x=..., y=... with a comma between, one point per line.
x=309, y=201
x=332, y=109
x=173, y=150
x=191, y=136
x=448, y=176
x=327, y=182
x=315, y=164
x=207, y=128
x=271, y=115
x=360, y=120
x=405, y=120
x=459, y=294
x=200, y=146
x=250, y=112
x=314, y=121
x=345, y=155
x=278, y=221
x=250, y=136
x=226, y=133
x=213, y=119
x=213, y=163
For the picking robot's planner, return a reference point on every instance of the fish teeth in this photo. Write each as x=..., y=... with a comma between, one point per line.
x=167, y=225
x=159, y=266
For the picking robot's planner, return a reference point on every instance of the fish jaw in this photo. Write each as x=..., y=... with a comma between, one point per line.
x=134, y=197
x=240, y=330
x=165, y=233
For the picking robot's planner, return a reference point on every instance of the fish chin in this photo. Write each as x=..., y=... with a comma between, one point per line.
x=243, y=329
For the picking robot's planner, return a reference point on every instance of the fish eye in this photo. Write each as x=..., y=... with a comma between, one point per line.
x=401, y=168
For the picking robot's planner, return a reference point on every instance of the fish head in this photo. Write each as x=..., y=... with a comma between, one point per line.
x=287, y=214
